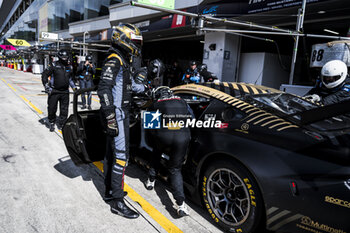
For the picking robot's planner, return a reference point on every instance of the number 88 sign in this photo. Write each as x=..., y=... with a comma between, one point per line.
x=323, y=53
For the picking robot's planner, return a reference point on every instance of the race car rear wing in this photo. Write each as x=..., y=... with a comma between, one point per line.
x=322, y=113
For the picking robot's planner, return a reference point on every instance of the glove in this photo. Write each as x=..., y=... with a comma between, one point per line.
x=48, y=88
x=75, y=89
x=112, y=126
x=140, y=76
x=314, y=98
x=195, y=79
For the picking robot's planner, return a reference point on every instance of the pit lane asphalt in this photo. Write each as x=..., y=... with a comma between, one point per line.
x=41, y=190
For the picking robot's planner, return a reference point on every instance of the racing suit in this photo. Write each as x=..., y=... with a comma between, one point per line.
x=86, y=73
x=58, y=90
x=191, y=76
x=208, y=76
x=331, y=96
x=173, y=143
x=114, y=90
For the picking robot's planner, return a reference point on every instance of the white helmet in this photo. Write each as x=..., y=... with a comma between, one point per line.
x=334, y=73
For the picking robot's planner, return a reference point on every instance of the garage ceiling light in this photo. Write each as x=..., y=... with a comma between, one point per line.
x=330, y=31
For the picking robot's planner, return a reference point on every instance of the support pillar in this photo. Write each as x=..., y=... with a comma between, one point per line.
x=221, y=54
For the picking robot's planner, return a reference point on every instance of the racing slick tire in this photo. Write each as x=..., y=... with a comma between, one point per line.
x=232, y=197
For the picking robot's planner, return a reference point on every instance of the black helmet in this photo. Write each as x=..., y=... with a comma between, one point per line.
x=156, y=68
x=203, y=67
x=128, y=38
x=162, y=92
x=63, y=55
x=192, y=63
x=88, y=58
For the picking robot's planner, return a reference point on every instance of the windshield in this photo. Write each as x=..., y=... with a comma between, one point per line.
x=285, y=103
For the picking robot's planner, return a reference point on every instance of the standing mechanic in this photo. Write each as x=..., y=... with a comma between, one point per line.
x=334, y=85
x=86, y=71
x=114, y=90
x=58, y=88
x=174, y=143
x=192, y=75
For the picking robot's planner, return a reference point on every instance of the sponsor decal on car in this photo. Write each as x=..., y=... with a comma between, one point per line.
x=337, y=201
x=244, y=128
x=308, y=224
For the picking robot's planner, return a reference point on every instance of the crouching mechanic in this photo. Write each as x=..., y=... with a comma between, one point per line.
x=58, y=88
x=114, y=90
x=173, y=143
x=334, y=85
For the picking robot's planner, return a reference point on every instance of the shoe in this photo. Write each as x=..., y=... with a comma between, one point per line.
x=52, y=127
x=83, y=107
x=149, y=184
x=59, y=126
x=43, y=121
x=119, y=207
x=182, y=210
x=89, y=107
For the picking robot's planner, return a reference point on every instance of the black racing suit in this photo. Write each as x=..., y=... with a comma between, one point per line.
x=61, y=79
x=114, y=90
x=331, y=96
x=86, y=73
x=207, y=76
x=173, y=143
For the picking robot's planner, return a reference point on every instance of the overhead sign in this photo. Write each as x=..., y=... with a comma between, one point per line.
x=169, y=4
x=48, y=35
x=7, y=47
x=337, y=50
x=256, y=6
x=17, y=42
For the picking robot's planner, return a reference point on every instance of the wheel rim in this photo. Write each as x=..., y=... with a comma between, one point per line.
x=228, y=197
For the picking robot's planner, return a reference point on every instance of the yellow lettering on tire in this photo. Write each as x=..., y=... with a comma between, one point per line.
x=251, y=191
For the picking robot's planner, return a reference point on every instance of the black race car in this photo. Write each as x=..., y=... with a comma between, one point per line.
x=277, y=161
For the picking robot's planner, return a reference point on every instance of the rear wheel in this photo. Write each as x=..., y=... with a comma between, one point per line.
x=232, y=197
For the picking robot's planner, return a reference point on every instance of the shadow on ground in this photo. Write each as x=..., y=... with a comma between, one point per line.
x=88, y=172
x=161, y=188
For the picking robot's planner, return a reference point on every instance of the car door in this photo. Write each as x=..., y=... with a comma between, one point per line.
x=83, y=132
